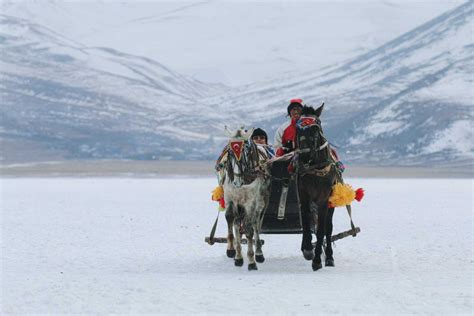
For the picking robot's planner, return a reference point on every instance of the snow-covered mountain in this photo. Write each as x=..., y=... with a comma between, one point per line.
x=95, y=102
x=408, y=101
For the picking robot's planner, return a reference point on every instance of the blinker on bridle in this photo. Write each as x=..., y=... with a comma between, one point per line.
x=306, y=122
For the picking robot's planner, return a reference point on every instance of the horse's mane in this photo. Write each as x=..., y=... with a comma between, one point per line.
x=308, y=110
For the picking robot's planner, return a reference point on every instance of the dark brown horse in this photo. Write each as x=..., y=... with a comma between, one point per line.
x=316, y=173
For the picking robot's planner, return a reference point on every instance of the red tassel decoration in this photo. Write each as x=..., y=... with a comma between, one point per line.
x=359, y=194
x=222, y=203
x=291, y=168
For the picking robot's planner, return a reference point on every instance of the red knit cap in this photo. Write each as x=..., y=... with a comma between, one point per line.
x=294, y=103
x=300, y=101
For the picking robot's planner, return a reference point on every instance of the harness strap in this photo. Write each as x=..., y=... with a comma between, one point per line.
x=349, y=211
x=217, y=166
x=213, y=230
x=317, y=172
x=322, y=146
x=348, y=207
x=284, y=157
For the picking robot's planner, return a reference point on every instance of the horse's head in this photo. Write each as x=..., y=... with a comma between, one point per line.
x=310, y=141
x=237, y=152
x=244, y=157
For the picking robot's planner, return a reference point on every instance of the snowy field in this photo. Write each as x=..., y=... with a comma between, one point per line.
x=136, y=246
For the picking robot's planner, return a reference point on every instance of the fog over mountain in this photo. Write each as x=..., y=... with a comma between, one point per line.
x=407, y=101
x=232, y=42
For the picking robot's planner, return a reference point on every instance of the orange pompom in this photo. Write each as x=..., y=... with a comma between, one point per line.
x=217, y=193
x=342, y=194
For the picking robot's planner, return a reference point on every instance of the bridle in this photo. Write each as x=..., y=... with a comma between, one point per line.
x=312, y=147
x=247, y=161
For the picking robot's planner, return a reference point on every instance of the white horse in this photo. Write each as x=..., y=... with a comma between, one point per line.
x=246, y=192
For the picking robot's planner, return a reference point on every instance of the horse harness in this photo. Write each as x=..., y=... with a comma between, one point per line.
x=250, y=166
x=322, y=169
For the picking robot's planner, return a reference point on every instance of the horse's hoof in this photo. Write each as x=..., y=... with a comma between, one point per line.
x=231, y=253
x=239, y=262
x=308, y=254
x=259, y=258
x=252, y=266
x=329, y=262
x=317, y=266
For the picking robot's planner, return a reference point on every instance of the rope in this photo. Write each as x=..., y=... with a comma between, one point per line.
x=284, y=157
x=349, y=211
x=348, y=207
x=213, y=230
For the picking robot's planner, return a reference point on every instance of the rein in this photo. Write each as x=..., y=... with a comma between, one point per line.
x=322, y=168
x=308, y=150
x=313, y=170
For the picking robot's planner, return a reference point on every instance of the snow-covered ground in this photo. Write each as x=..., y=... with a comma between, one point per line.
x=128, y=245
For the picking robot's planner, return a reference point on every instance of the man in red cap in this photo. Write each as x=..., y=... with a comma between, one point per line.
x=285, y=136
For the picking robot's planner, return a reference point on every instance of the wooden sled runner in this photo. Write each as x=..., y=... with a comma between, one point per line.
x=223, y=240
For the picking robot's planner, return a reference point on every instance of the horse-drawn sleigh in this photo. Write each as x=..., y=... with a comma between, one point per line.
x=263, y=197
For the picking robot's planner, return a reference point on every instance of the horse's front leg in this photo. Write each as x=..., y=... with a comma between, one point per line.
x=256, y=228
x=329, y=258
x=249, y=232
x=307, y=219
x=238, y=260
x=229, y=216
x=322, y=214
x=259, y=257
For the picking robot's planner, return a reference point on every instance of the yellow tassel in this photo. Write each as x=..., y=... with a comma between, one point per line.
x=342, y=195
x=217, y=193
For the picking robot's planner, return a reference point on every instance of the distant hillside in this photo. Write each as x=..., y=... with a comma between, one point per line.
x=408, y=102
x=95, y=102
